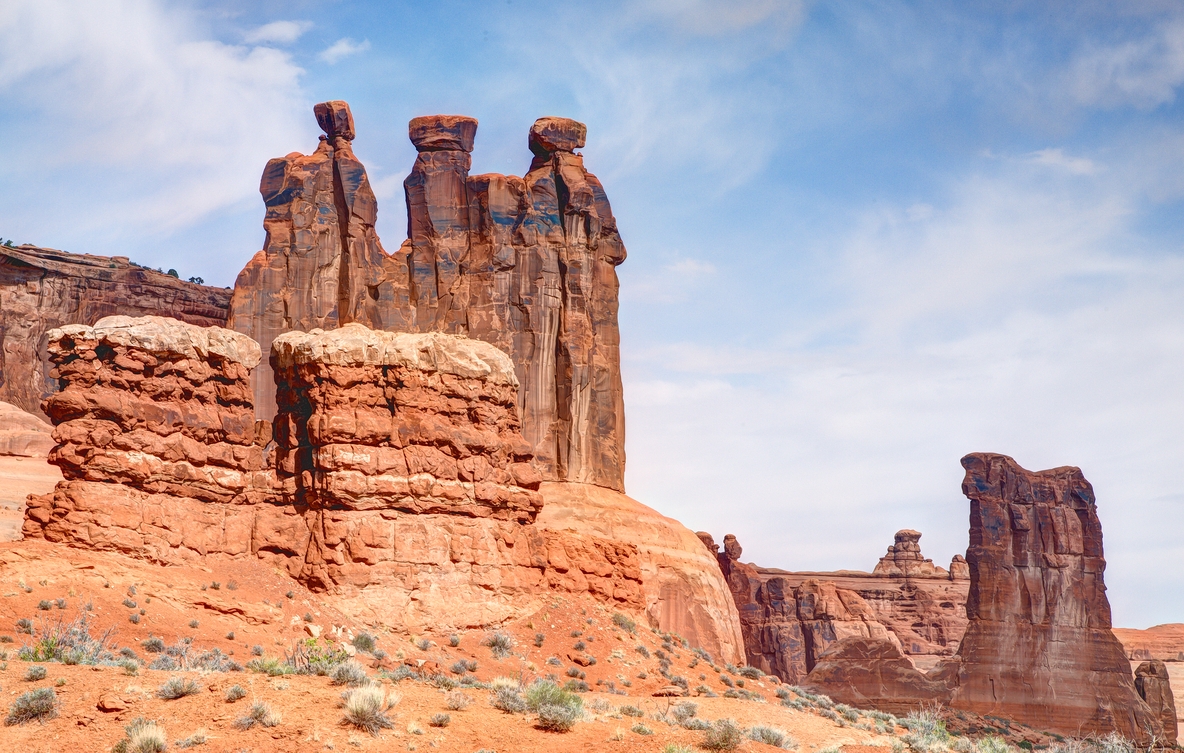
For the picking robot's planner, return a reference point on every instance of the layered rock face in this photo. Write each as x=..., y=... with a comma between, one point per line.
x=321, y=261
x=156, y=443
x=1155, y=688
x=789, y=619
x=527, y=264
x=871, y=673
x=41, y=289
x=405, y=453
x=22, y=433
x=683, y=590
x=1038, y=648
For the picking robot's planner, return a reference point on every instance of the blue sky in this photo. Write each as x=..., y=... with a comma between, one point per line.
x=864, y=238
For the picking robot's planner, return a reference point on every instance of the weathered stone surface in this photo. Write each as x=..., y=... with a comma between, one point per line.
x=789, y=619
x=321, y=260
x=872, y=673
x=405, y=451
x=683, y=590
x=22, y=433
x=527, y=264
x=904, y=558
x=42, y=288
x=1154, y=687
x=1038, y=648
x=153, y=418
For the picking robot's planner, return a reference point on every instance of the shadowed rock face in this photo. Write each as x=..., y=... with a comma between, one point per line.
x=789, y=619
x=1154, y=687
x=42, y=288
x=321, y=260
x=527, y=264
x=1038, y=648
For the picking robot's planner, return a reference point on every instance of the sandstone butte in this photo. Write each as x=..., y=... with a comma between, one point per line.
x=790, y=618
x=1038, y=647
x=394, y=480
x=527, y=264
x=42, y=288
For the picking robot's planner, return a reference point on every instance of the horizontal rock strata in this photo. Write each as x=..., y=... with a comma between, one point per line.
x=406, y=452
x=156, y=439
x=42, y=289
x=789, y=619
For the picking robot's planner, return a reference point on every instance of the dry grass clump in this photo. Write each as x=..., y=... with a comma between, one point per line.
x=440, y=720
x=260, y=714
x=458, y=701
x=500, y=644
x=143, y=736
x=348, y=673
x=235, y=693
x=724, y=735
x=772, y=736
x=36, y=705
x=35, y=673
x=177, y=687
x=365, y=708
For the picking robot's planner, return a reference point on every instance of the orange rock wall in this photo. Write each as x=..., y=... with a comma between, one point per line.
x=42, y=288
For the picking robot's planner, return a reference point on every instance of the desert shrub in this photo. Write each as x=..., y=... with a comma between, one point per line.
x=142, y=736
x=177, y=687
x=459, y=667
x=70, y=642
x=440, y=720
x=539, y=638
x=364, y=642
x=507, y=699
x=641, y=729
x=317, y=656
x=752, y=673
x=696, y=724
x=574, y=672
x=1111, y=743
x=232, y=585
x=193, y=624
x=129, y=603
x=165, y=662
x=672, y=748
x=726, y=680
x=454, y=640
x=130, y=667
x=271, y=667
x=61, y=603
x=45, y=605
x=133, y=618
x=35, y=673
x=260, y=714
x=35, y=706
x=642, y=650
x=348, y=673
x=499, y=644
x=624, y=622
x=576, y=686
x=771, y=736
x=926, y=732
x=365, y=708
x=558, y=708
x=235, y=693
x=24, y=625
x=631, y=711
x=458, y=701
x=230, y=636
x=197, y=738
x=256, y=650
x=723, y=735
x=558, y=718
x=152, y=645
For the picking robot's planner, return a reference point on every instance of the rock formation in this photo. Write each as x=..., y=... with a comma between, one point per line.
x=321, y=261
x=41, y=288
x=527, y=264
x=156, y=442
x=872, y=673
x=682, y=589
x=1155, y=688
x=1038, y=648
x=789, y=619
x=22, y=433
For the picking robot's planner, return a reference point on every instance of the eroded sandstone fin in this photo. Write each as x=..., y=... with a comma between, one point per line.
x=322, y=261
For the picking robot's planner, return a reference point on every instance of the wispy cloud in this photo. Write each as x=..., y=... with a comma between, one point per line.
x=280, y=32
x=1144, y=71
x=343, y=48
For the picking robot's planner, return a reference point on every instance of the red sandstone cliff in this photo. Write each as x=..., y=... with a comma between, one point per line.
x=527, y=264
x=789, y=619
x=41, y=288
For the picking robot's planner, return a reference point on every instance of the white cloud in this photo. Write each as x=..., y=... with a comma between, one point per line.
x=281, y=32
x=1056, y=158
x=142, y=136
x=343, y=48
x=1143, y=72
x=1014, y=318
